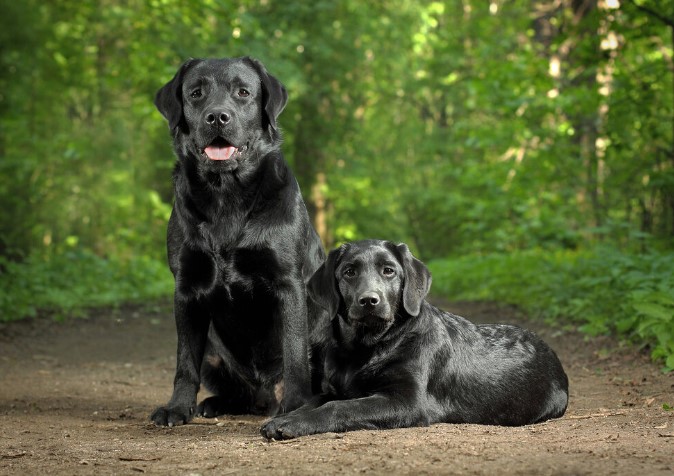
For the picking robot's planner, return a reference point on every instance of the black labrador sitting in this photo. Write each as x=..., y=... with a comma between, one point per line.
x=394, y=360
x=240, y=245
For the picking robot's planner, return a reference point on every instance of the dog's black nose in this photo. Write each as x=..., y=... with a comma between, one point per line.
x=369, y=298
x=221, y=117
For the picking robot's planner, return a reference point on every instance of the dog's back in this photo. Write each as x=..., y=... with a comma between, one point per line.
x=502, y=374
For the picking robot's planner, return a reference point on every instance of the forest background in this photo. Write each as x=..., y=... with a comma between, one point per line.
x=523, y=148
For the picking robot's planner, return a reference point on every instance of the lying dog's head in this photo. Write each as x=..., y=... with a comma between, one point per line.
x=222, y=111
x=369, y=283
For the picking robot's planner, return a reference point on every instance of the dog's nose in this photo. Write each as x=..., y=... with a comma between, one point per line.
x=369, y=298
x=222, y=118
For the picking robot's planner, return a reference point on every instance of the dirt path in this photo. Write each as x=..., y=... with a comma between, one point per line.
x=75, y=397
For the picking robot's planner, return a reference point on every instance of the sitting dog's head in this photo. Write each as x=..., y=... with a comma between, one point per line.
x=369, y=284
x=221, y=112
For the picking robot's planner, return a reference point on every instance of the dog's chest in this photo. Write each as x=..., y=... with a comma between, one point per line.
x=220, y=233
x=348, y=374
x=232, y=276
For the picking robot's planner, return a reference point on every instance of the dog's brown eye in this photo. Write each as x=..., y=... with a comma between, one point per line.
x=389, y=271
x=244, y=93
x=195, y=94
x=349, y=272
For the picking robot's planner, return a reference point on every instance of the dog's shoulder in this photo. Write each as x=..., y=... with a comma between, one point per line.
x=414, y=339
x=452, y=327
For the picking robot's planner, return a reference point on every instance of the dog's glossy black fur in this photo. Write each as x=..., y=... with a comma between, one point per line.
x=240, y=245
x=394, y=360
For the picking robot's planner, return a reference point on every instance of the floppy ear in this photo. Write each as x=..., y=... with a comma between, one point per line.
x=417, y=280
x=169, y=99
x=322, y=286
x=274, y=95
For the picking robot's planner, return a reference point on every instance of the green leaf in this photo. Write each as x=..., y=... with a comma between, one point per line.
x=654, y=310
x=669, y=363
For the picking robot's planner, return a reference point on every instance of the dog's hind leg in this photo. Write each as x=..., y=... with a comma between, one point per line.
x=231, y=394
x=214, y=406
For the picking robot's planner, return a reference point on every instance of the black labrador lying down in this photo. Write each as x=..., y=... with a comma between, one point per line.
x=394, y=360
x=240, y=245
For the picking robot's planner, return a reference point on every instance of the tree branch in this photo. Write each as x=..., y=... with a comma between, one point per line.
x=666, y=20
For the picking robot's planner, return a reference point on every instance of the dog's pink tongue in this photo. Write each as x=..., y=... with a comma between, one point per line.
x=219, y=153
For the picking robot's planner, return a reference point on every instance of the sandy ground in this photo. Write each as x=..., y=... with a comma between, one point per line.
x=75, y=399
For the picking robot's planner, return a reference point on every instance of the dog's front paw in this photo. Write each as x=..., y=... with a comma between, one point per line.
x=274, y=429
x=287, y=427
x=172, y=416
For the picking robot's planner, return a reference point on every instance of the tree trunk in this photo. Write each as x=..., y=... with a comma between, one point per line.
x=320, y=208
x=586, y=124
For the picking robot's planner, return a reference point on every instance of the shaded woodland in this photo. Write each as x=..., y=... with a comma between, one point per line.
x=524, y=148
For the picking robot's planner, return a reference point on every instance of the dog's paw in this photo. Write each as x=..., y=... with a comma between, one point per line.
x=275, y=429
x=172, y=416
x=212, y=407
x=287, y=427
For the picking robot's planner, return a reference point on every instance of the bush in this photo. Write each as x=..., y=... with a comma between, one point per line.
x=67, y=283
x=603, y=290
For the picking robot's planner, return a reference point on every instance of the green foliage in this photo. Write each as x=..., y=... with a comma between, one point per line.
x=69, y=282
x=441, y=124
x=602, y=290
